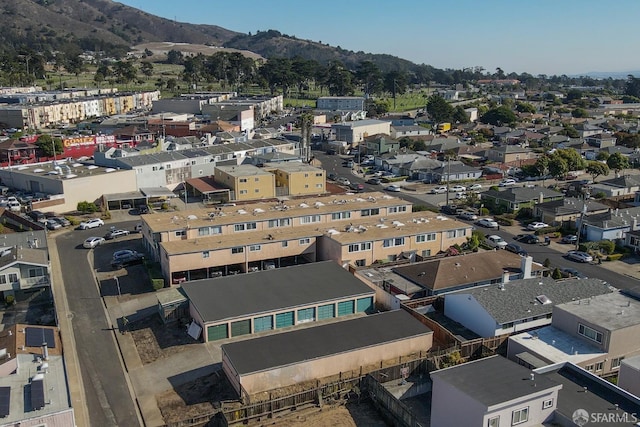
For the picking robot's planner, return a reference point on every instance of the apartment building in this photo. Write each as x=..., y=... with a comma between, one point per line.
x=297, y=179
x=246, y=182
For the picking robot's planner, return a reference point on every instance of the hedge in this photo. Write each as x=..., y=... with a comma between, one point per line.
x=546, y=230
x=614, y=257
x=157, y=284
x=502, y=220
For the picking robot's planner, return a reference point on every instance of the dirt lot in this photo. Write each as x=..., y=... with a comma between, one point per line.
x=351, y=415
x=155, y=340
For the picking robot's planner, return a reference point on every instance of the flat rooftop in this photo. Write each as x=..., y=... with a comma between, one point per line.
x=301, y=345
x=494, y=380
x=611, y=311
x=243, y=170
x=242, y=295
x=64, y=169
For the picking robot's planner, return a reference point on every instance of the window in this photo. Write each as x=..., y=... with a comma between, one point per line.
x=256, y=179
x=35, y=272
x=237, y=250
x=309, y=219
x=3, y=279
x=206, y=231
x=421, y=238
x=396, y=209
x=520, y=416
x=13, y=277
x=205, y=254
x=590, y=333
x=245, y=226
x=456, y=233
x=615, y=363
x=340, y=215
x=494, y=422
x=305, y=241
x=181, y=233
x=359, y=247
x=370, y=212
x=243, y=179
x=599, y=366
x=243, y=191
x=426, y=252
x=589, y=368
x=255, y=248
x=389, y=243
x=285, y=244
x=318, y=185
x=546, y=404
x=283, y=222
x=319, y=174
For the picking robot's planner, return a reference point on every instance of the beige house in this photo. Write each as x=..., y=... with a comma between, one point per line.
x=510, y=153
x=595, y=333
x=23, y=269
x=297, y=179
x=247, y=182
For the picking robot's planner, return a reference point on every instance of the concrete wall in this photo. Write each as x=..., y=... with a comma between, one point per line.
x=465, y=309
x=629, y=377
x=327, y=366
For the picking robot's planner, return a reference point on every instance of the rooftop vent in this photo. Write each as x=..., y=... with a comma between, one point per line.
x=543, y=299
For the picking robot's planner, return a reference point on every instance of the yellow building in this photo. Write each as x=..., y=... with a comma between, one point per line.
x=297, y=179
x=247, y=182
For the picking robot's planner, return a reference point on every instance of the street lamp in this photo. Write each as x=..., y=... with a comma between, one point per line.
x=117, y=284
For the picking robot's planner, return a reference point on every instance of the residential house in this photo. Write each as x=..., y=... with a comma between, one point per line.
x=565, y=212
x=509, y=154
x=456, y=171
x=513, y=306
x=629, y=375
x=512, y=199
x=494, y=392
x=626, y=185
x=409, y=131
x=601, y=140
x=380, y=144
x=611, y=225
x=297, y=179
x=133, y=135
x=341, y=103
x=595, y=333
x=246, y=182
x=16, y=152
x=23, y=270
x=355, y=132
x=587, y=130
x=472, y=113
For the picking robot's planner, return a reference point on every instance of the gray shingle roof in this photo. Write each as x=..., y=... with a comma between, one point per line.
x=522, y=194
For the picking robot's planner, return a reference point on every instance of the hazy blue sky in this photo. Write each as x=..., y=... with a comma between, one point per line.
x=536, y=36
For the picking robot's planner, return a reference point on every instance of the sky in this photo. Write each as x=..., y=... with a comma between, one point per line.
x=572, y=37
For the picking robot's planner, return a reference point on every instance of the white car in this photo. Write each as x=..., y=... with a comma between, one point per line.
x=343, y=181
x=579, y=256
x=458, y=189
x=439, y=190
x=469, y=216
x=461, y=196
x=475, y=187
x=393, y=188
x=91, y=223
x=507, y=182
x=537, y=225
x=495, y=241
x=92, y=242
x=487, y=222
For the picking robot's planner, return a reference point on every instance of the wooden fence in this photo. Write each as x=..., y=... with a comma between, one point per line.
x=392, y=408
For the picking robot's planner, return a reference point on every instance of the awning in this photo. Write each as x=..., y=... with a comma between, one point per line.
x=131, y=195
x=157, y=192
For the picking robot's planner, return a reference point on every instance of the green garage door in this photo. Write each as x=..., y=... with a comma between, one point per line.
x=364, y=304
x=241, y=327
x=284, y=319
x=326, y=311
x=262, y=323
x=217, y=332
x=345, y=307
x=306, y=315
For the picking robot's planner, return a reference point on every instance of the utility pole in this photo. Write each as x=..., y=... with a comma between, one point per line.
x=448, y=176
x=394, y=94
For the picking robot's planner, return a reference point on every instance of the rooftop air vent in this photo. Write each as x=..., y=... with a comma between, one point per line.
x=543, y=299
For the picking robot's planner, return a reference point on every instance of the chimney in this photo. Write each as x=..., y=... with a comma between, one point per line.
x=533, y=376
x=505, y=277
x=35, y=243
x=45, y=351
x=526, y=264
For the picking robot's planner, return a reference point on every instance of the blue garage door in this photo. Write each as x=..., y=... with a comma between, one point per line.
x=241, y=327
x=284, y=319
x=306, y=315
x=364, y=304
x=345, y=307
x=263, y=323
x=326, y=311
x=217, y=332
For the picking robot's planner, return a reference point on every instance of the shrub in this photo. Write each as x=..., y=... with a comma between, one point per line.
x=164, y=206
x=614, y=257
x=599, y=195
x=524, y=213
x=557, y=274
x=547, y=263
x=484, y=211
x=606, y=246
x=87, y=207
x=546, y=230
x=157, y=284
x=503, y=220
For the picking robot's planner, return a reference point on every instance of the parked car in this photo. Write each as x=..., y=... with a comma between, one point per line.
x=61, y=220
x=457, y=189
x=438, y=190
x=572, y=272
x=52, y=225
x=461, y=196
x=348, y=164
x=530, y=239
x=92, y=242
x=495, y=241
x=114, y=234
x=516, y=249
x=137, y=228
x=356, y=186
x=91, y=223
x=122, y=253
x=507, y=182
x=37, y=216
x=579, y=256
x=143, y=209
x=343, y=181
x=469, y=216
x=127, y=260
x=537, y=226
x=571, y=239
x=487, y=222
x=373, y=181
x=393, y=188
x=452, y=210
x=332, y=176
x=475, y=187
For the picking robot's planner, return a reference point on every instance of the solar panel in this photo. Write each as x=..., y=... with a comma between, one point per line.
x=37, y=394
x=35, y=337
x=5, y=401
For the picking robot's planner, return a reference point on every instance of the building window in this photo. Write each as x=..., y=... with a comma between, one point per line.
x=370, y=212
x=599, y=366
x=396, y=209
x=590, y=333
x=494, y=422
x=257, y=190
x=3, y=279
x=283, y=222
x=426, y=252
x=340, y=215
x=318, y=185
x=237, y=250
x=245, y=226
x=520, y=416
x=13, y=277
x=310, y=219
x=589, y=368
x=243, y=179
x=615, y=363
x=319, y=174
x=205, y=254
x=285, y=244
x=421, y=238
x=255, y=248
x=243, y=191
x=206, y=231
x=35, y=272
x=389, y=243
x=304, y=241
x=181, y=233
x=359, y=247
x=546, y=404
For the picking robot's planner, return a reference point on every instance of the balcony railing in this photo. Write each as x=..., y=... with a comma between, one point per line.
x=34, y=282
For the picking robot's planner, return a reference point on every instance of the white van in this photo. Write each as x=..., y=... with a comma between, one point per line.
x=14, y=206
x=495, y=241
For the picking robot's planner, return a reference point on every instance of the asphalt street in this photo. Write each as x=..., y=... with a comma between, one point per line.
x=107, y=395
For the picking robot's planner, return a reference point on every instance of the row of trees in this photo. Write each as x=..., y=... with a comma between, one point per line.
x=562, y=161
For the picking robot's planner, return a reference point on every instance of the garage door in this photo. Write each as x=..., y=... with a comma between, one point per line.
x=364, y=304
x=263, y=323
x=306, y=315
x=284, y=319
x=241, y=327
x=217, y=332
x=326, y=311
x=345, y=307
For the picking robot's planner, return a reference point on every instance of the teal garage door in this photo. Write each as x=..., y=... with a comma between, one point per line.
x=263, y=324
x=306, y=315
x=364, y=304
x=217, y=332
x=284, y=319
x=345, y=307
x=241, y=327
x=326, y=311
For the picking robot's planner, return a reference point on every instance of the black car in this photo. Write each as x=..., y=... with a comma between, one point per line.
x=373, y=181
x=127, y=260
x=530, y=239
x=332, y=176
x=516, y=249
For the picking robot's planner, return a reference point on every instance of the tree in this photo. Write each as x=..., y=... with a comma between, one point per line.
x=602, y=156
x=595, y=169
x=617, y=162
x=579, y=113
x=572, y=157
x=499, y=116
x=525, y=107
x=459, y=115
x=633, y=87
x=368, y=75
x=174, y=57
x=439, y=109
x=558, y=167
x=556, y=274
x=339, y=80
x=146, y=68
x=46, y=144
